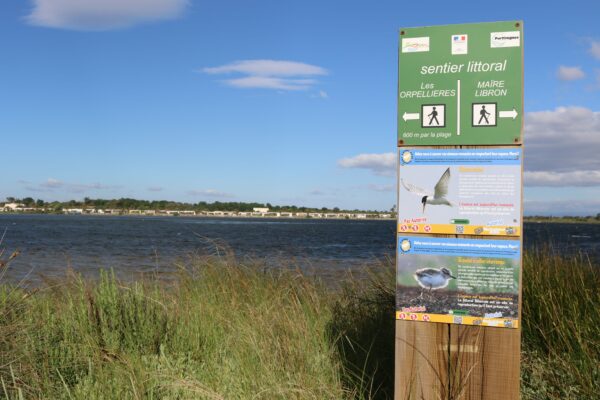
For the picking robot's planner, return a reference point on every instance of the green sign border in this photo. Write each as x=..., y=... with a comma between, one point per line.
x=430, y=69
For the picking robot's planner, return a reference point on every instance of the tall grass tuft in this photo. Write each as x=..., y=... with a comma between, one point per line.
x=364, y=327
x=226, y=329
x=220, y=332
x=561, y=327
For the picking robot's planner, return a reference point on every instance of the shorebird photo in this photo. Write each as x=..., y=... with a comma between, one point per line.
x=440, y=191
x=432, y=279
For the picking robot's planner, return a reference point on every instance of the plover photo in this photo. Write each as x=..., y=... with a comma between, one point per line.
x=432, y=278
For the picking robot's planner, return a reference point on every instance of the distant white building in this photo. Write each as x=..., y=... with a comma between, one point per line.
x=263, y=210
x=113, y=211
x=215, y=213
x=13, y=207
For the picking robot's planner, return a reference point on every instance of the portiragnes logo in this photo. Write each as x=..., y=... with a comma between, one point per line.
x=505, y=39
x=414, y=45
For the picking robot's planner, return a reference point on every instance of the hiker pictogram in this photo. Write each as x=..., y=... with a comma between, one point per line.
x=433, y=116
x=484, y=114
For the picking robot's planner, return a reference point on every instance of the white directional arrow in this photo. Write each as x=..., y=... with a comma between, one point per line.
x=408, y=116
x=509, y=114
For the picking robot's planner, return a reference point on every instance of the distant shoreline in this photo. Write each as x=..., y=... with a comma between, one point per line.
x=566, y=220
x=175, y=215
x=330, y=216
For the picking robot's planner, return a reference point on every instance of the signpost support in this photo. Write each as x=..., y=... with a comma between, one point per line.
x=460, y=108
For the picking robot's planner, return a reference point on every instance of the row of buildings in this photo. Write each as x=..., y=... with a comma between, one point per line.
x=255, y=213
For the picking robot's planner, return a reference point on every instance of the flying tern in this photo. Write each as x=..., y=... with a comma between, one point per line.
x=440, y=191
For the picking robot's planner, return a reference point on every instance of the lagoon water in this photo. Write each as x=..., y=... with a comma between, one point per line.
x=49, y=244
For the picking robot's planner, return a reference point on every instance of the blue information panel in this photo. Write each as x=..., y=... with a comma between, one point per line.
x=461, y=281
x=460, y=191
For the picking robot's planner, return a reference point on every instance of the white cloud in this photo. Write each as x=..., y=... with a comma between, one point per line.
x=269, y=74
x=569, y=73
x=560, y=179
x=51, y=184
x=267, y=68
x=595, y=49
x=380, y=164
x=565, y=140
x=561, y=207
x=561, y=149
x=321, y=94
x=97, y=15
x=209, y=193
x=82, y=187
x=327, y=192
x=155, y=189
x=266, y=82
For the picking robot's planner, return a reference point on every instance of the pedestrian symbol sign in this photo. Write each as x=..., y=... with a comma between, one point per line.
x=456, y=79
x=433, y=116
x=484, y=114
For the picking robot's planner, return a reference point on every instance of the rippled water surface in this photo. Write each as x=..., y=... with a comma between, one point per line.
x=51, y=243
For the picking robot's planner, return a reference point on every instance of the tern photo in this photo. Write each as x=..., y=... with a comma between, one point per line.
x=460, y=191
x=435, y=196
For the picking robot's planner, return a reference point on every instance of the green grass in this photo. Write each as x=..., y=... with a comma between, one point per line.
x=561, y=327
x=228, y=330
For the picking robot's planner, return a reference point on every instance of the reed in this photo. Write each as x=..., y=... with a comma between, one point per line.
x=226, y=329
x=561, y=326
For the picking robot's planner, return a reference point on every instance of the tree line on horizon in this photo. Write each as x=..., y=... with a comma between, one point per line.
x=134, y=204
x=574, y=218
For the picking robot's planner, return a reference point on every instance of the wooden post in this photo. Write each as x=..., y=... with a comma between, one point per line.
x=456, y=362
x=421, y=360
x=441, y=75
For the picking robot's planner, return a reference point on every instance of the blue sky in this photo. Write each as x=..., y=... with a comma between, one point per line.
x=272, y=101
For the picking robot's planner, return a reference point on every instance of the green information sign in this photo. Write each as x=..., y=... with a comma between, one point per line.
x=461, y=84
